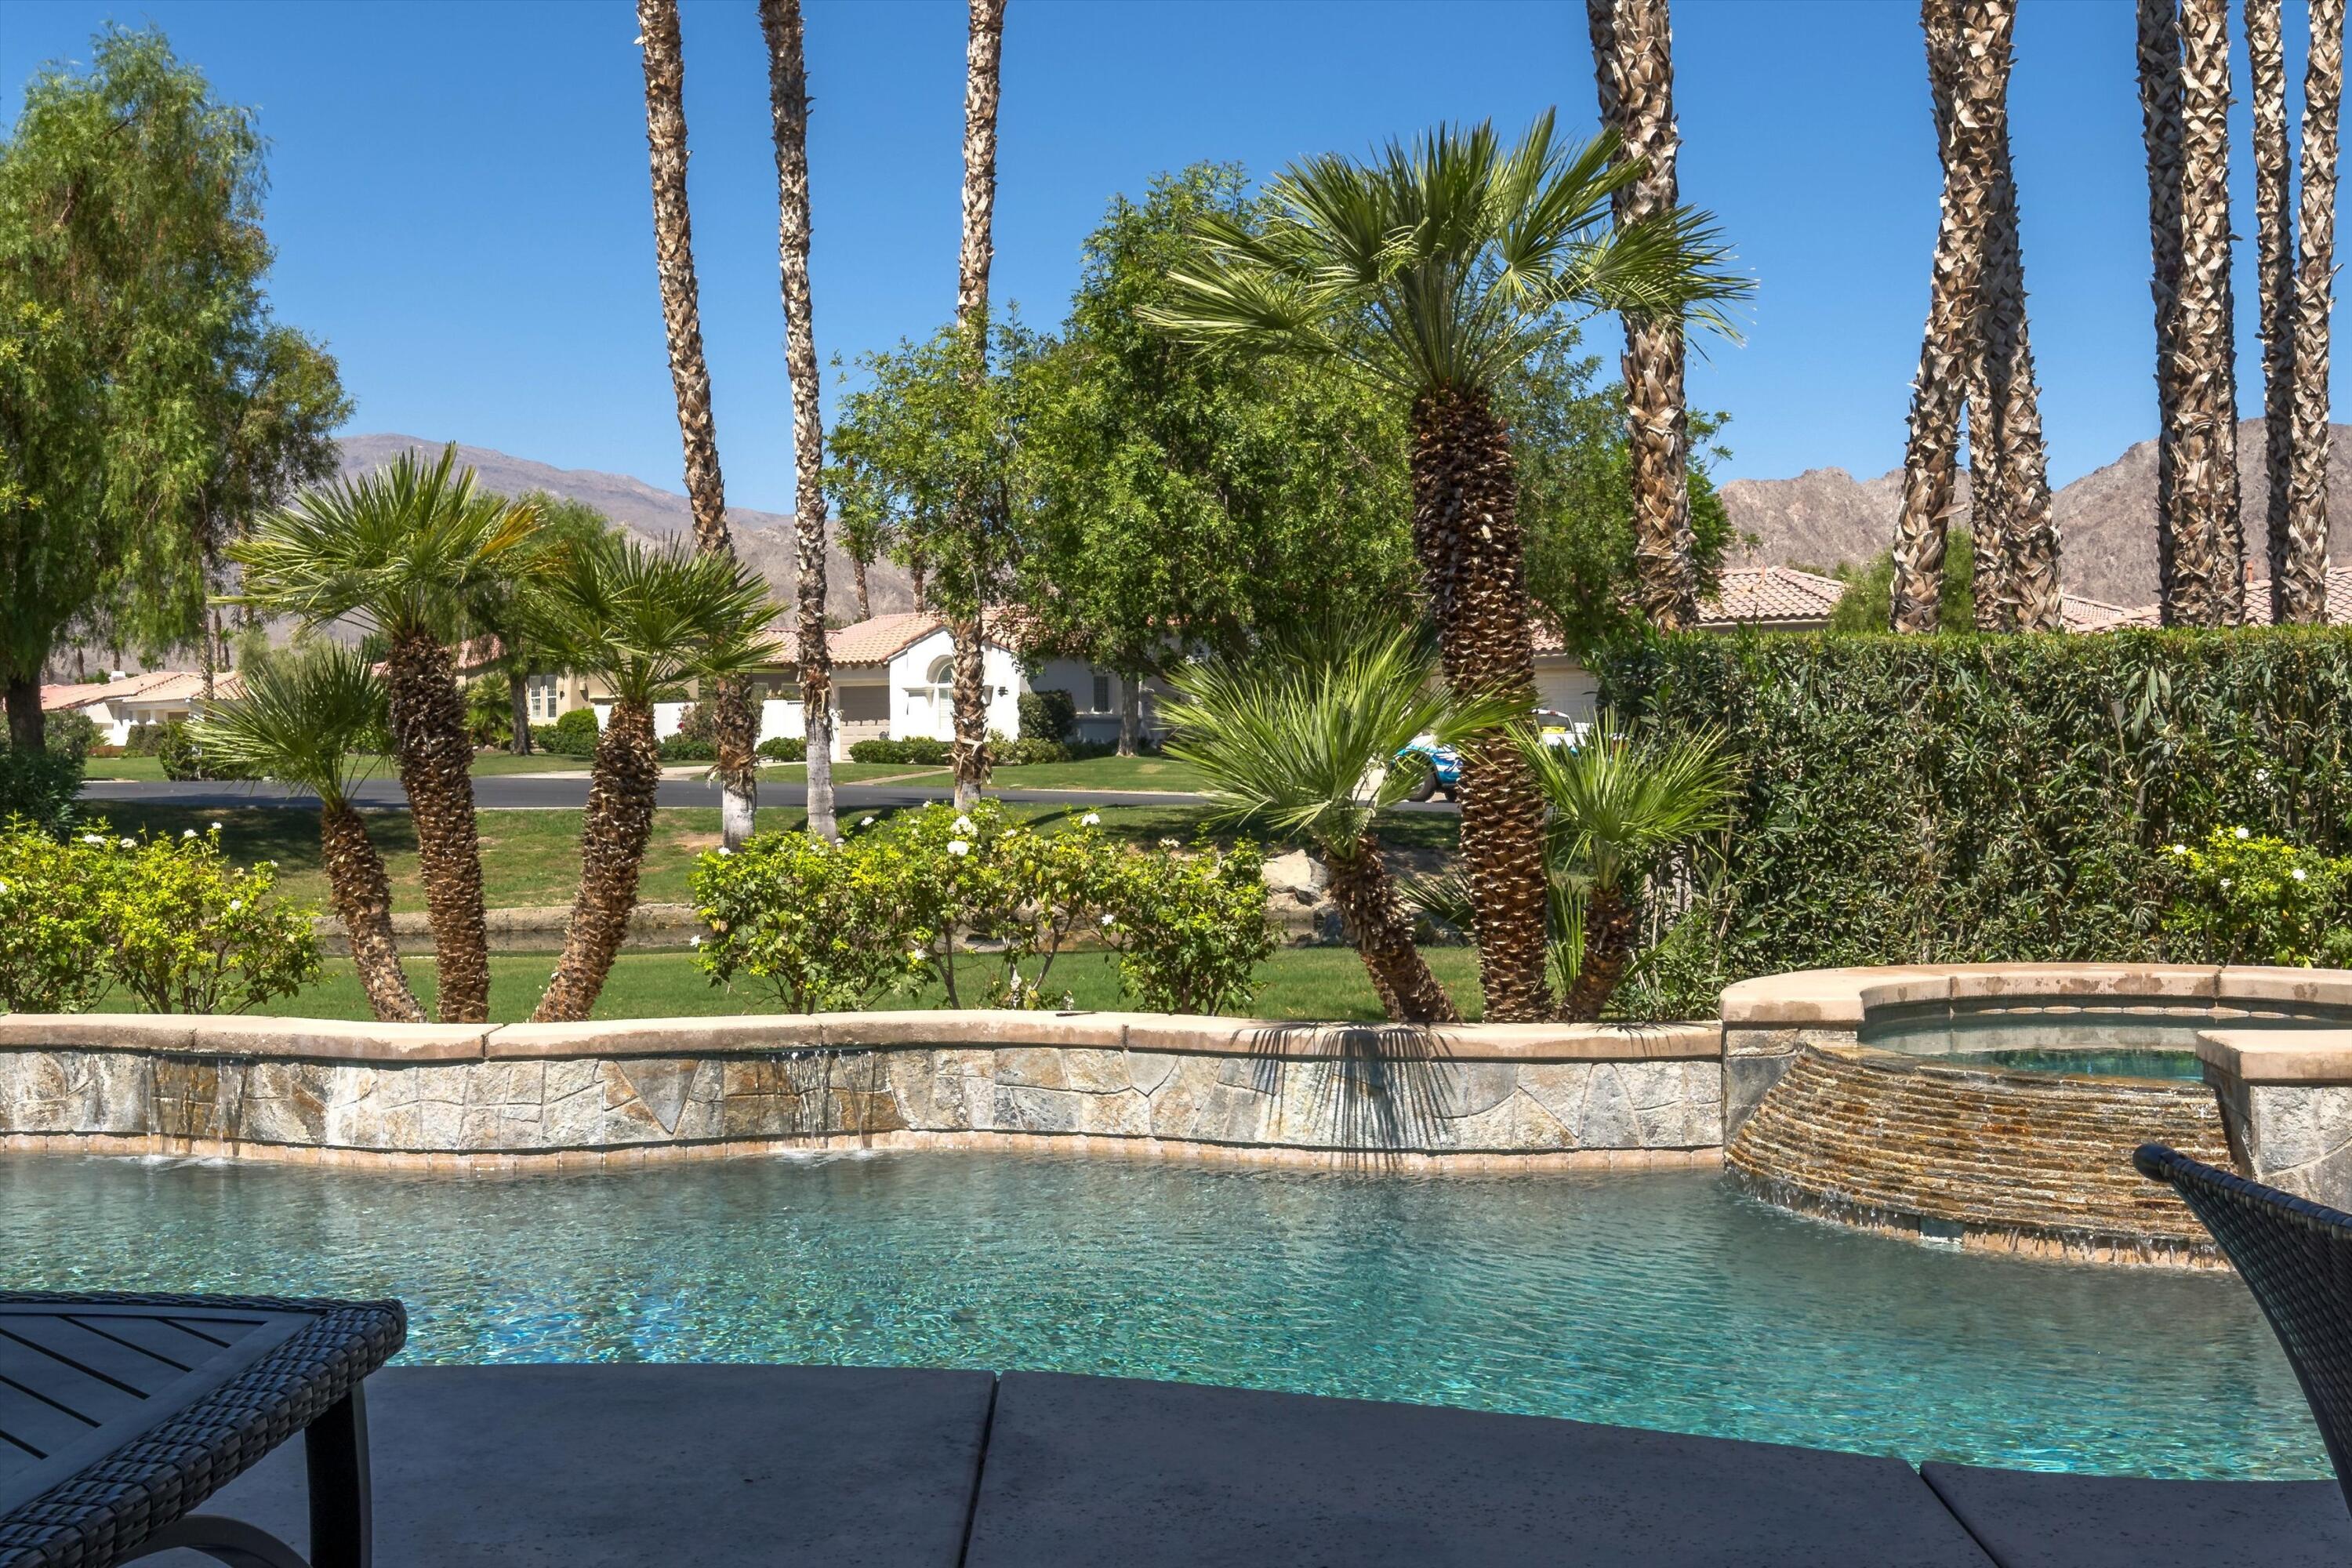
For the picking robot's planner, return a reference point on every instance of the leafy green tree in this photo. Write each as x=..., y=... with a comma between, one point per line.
x=1186, y=500
x=1869, y=598
x=132, y=328
x=1433, y=272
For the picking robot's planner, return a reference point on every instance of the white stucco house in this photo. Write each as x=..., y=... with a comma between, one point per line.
x=115, y=705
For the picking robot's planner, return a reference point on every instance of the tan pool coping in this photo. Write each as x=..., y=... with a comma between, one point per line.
x=1838, y=998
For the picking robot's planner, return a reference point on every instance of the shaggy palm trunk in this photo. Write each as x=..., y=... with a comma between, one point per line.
x=362, y=895
x=1612, y=926
x=1366, y=898
x=788, y=102
x=734, y=728
x=1465, y=529
x=434, y=756
x=2274, y=274
x=625, y=778
x=857, y=576
x=2299, y=582
x=519, y=713
x=2181, y=564
x=2207, y=475
x=1632, y=57
x=970, y=702
x=1976, y=33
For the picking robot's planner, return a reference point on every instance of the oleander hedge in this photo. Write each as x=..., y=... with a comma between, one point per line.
x=1959, y=799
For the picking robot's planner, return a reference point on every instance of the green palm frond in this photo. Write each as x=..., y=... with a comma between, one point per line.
x=408, y=549
x=644, y=618
x=304, y=719
x=1619, y=801
x=1306, y=737
x=1448, y=261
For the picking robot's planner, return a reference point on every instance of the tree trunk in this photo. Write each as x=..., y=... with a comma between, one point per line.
x=1611, y=926
x=2180, y=558
x=27, y=732
x=624, y=781
x=519, y=713
x=971, y=753
x=734, y=729
x=1632, y=57
x=915, y=574
x=2274, y=274
x=788, y=103
x=1979, y=31
x=434, y=757
x=1465, y=529
x=362, y=894
x=1366, y=898
x=858, y=565
x=1131, y=715
x=2208, y=473
x=2299, y=582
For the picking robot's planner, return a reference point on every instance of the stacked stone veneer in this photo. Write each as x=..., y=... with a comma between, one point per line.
x=466, y=1093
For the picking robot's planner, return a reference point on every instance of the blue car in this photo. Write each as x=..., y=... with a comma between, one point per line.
x=1440, y=772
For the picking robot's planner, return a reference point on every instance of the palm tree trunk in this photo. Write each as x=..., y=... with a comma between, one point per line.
x=2274, y=275
x=1975, y=32
x=1366, y=898
x=434, y=756
x=733, y=727
x=788, y=99
x=919, y=578
x=2208, y=467
x=362, y=894
x=1131, y=715
x=2181, y=556
x=623, y=780
x=858, y=565
x=970, y=702
x=2299, y=580
x=519, y=713
x=1632, y=57
x=1611, y=925
x=1466, y=528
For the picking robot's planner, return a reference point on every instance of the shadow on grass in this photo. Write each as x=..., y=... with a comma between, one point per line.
x=286, y=834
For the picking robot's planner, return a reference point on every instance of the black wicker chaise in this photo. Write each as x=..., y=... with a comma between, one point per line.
x=120, y=1414
x=2295, y=1256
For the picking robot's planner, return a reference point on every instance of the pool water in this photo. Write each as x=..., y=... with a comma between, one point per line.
x=1649, y=1299
x=2116, y=1041
x=2094, y=1063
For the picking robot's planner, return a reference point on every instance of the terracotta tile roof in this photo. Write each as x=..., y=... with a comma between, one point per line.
x=881, y=639
x=55, y=698
x=2081, y=615
x=175, y=687
x=2339, y=599
x=1748, y=595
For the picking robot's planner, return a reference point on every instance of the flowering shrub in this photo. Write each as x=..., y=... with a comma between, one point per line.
x=2247, y=897
x=170, y=919
x=808, y=919
x=1191, y=930
x=990, y=902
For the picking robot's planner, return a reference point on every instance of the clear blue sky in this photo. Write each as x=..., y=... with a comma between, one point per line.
x=460, y=204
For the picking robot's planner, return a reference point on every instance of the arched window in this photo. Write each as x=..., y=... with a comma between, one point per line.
x=939, y=689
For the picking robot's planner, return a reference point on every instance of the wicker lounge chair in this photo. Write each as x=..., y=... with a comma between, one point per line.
x=2295, y=1256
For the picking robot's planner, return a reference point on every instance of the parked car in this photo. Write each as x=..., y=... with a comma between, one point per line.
x=1440, y=772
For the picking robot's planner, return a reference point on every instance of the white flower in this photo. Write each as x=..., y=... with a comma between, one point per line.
x=914, y=955
x=1091, y=820
x=694, y=942
x=958, y=846
x=1167, y=844
x=128, y=843
x=215, y=827
x=187, y=833
x=963, y=825
x=1108, y=922
x=2225, y=884
x=91, y=838
x=724, y=851
x=234, y=905
x=2301, y=875
x=4, y=887
x=2261, y=775
x=2180, y=849
x=864, y=822
x=2245, y=833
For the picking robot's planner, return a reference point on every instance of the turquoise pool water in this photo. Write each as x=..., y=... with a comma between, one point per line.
x=2103, y=1041
x=1649, y=1299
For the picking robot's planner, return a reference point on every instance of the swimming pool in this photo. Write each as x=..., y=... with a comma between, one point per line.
x=2116, y=1040
x=1654, y=1298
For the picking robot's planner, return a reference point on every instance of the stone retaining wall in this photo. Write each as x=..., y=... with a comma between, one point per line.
x=462, y=1093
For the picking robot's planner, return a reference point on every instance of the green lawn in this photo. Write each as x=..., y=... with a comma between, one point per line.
x=1299, y=983
x=1105, y=773
x=122, y=768
x=485, y=764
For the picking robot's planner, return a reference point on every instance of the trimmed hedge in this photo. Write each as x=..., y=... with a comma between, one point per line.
x=1959, y=799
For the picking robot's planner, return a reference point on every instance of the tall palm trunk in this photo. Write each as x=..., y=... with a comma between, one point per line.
x=2299, y=579
x=788, y=99
x=1632, y=57
x=1975, y=32
x=2183, y=565
x=434, y=756
x=734, y=726
x=2274, y=273
x=1466, y=528
x=613, y=832
x=2209, y=468
x=984, y=55
x=1361, y=887
x=362, y=895
x=1131, y=715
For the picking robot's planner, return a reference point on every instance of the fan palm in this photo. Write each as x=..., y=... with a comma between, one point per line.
x=1307, y=740
x=407, y=551
x=1618, y=806
x=307, y=720
x=1436, y=270
x=642, y=619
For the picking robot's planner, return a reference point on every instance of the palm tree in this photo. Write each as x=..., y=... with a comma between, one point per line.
x=1618, y=806
x=788, y=99
x=984, y=55
x=407, y=551
x=305, y=719
x=2274, y=273
x=2181, y=557
x=1435, y=271
x=2299, y=580
x=642, y=619
x=1307, y=740
x=2207, y=325
x=1632, y=57
x=1974, y=32
x=736, y=728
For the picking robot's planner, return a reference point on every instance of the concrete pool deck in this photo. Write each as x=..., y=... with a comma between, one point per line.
x=633, y=1466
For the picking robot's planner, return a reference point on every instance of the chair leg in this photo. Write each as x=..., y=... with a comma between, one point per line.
x=223, y=1540
x=335, y=1448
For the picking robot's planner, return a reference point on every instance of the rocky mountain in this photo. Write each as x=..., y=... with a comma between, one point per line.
x=762, y=539
x=2106, y=520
